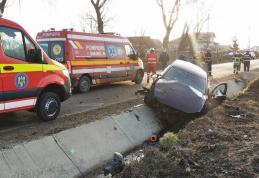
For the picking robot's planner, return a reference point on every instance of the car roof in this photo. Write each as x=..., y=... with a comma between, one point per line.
x=189, y=67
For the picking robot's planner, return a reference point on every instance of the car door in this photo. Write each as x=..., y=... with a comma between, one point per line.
x=131, y=60
x=116, y=62
x=21, y=71
x=219, y=93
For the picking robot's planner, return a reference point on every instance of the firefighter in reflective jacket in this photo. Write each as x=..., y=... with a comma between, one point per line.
x=246, y=60
x=152, y=63
x=237, y=63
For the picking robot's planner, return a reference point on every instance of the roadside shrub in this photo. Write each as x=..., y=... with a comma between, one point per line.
x=169, y=140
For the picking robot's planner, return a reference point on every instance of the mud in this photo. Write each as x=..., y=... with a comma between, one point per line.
x=217, y=144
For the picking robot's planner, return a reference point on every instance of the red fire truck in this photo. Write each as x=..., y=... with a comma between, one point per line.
x=29, y=79
x=93, y=59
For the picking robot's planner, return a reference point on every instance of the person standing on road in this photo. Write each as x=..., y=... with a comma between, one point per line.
x=236, y=63
x=208, y=60
x=246, y=59
x=163, y=58
x=152, y=63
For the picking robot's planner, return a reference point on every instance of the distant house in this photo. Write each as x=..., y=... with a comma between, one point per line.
x=255, y=48
x=143, y=43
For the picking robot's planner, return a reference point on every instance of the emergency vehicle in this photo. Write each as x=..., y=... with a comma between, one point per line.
x=29, y=79
x=93, y=59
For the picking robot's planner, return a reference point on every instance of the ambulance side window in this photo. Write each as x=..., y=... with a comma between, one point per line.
x=12, y=43
x=129, y=50
x=30, y=51
x=115, y=51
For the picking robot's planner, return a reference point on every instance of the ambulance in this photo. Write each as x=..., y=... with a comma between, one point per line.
x=93, y=59
x=29, y=79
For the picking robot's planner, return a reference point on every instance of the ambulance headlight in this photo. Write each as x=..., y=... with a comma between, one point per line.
x=66, y=73
x=140, y=64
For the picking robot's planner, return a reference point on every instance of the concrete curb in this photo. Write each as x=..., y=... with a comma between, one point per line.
x=74, y=151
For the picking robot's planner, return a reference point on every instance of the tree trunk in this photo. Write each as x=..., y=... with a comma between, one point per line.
x=166, y=39
x=99, y=21
x=2, y=7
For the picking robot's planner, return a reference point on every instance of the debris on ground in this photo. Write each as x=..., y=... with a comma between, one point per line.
x=222, y=143
x=116, y=165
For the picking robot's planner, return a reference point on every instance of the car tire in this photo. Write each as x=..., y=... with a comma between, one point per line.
x=139, y=77
x=48, y=106
x=84, y=84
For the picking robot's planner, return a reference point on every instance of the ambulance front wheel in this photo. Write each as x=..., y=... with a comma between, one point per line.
x=139, y=77
x=48, y=106
x=84, y=84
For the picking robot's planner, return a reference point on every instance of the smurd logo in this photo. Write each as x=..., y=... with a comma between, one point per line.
x=21, y=80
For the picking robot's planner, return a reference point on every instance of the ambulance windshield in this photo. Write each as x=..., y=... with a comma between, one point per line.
x=55, y=50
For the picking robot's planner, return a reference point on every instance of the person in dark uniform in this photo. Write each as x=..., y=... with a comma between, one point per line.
x=163, y=58
x=246, y=60
x=208, y=60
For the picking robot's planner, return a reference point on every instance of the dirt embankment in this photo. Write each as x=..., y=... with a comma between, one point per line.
x=223, y=143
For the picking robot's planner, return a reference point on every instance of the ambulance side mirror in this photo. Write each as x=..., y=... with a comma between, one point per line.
x=34, y=55
x=134, y=56
x=39, y=55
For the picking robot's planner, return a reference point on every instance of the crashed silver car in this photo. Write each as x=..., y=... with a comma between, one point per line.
x=183, y=86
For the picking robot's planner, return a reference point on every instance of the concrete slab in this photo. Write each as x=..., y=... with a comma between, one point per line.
x=90, y=145
x=77, y=150
x=40, y=158
x=138, y=125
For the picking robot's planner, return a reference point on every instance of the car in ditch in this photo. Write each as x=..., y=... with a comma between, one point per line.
x=184, y=87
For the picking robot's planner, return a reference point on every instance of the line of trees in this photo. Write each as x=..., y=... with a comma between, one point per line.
x=170, y=10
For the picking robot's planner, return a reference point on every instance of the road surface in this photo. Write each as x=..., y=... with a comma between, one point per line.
x=225, y=69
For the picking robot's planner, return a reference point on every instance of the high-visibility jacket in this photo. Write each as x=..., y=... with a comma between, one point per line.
x=237, y=60
x=151, y=58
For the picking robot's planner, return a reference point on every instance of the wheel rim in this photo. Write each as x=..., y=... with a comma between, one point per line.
x=51, y=107
x=84, y=85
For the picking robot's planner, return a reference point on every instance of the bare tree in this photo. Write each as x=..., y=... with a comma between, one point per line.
x=202, y=16
x=88, y=23
x=170, y=19
x=99, y=7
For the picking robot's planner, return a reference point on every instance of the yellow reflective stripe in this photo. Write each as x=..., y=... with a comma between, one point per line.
x=78, y=44
x=48, y=67
x=29, y=68
x=102, y=62
x=22, y=68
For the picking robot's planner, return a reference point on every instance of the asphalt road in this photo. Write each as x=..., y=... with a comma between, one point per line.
x=225, y=69
x=108, y=94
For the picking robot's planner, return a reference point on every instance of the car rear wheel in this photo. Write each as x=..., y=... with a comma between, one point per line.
x=139, y=77
x=48, y=106
x=149, y=98
x=84, y=84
